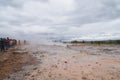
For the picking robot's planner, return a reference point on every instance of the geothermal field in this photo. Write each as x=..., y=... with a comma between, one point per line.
x=58, y=61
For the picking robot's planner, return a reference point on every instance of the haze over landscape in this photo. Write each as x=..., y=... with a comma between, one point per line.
x=60, y=19
x=59, y=39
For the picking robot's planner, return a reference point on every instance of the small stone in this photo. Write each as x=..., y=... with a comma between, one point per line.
x=8, y=77
x=60, y=74
x=112, y=78
x=73, y=56
x=32, y=76
x=35, y=68
x=65, y=62
x=27, y=74
x=49, y=75
x=65, y=68
x=96, y=62
x=84, y=78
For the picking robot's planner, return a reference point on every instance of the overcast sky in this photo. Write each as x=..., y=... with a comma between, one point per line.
x=77, y=19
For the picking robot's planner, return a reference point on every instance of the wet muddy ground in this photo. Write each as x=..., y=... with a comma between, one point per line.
x=66, y=62
x=12, y=61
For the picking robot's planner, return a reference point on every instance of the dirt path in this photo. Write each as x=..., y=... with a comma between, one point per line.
x=76, y=62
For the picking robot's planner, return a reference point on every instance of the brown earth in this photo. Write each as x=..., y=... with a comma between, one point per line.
x=11, y=62
x=65, y=62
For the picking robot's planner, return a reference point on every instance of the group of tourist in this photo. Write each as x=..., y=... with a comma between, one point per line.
x=6, y=43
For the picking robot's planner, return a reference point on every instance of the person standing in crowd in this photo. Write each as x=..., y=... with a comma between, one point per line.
x=24, y=42
x=2, y=42
x=19, y=43
x=15, y=42
x=12, y=42
x=7, y=43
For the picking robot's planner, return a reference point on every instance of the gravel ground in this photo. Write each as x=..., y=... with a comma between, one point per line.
x=68, y=62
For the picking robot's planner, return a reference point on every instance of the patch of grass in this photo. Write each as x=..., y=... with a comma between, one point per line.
x=98, y=42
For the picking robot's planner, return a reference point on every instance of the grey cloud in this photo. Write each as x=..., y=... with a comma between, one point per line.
x=59, y=16
x=16, y=3
x=102, y=10
x=42, y=0
x=10, y=3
